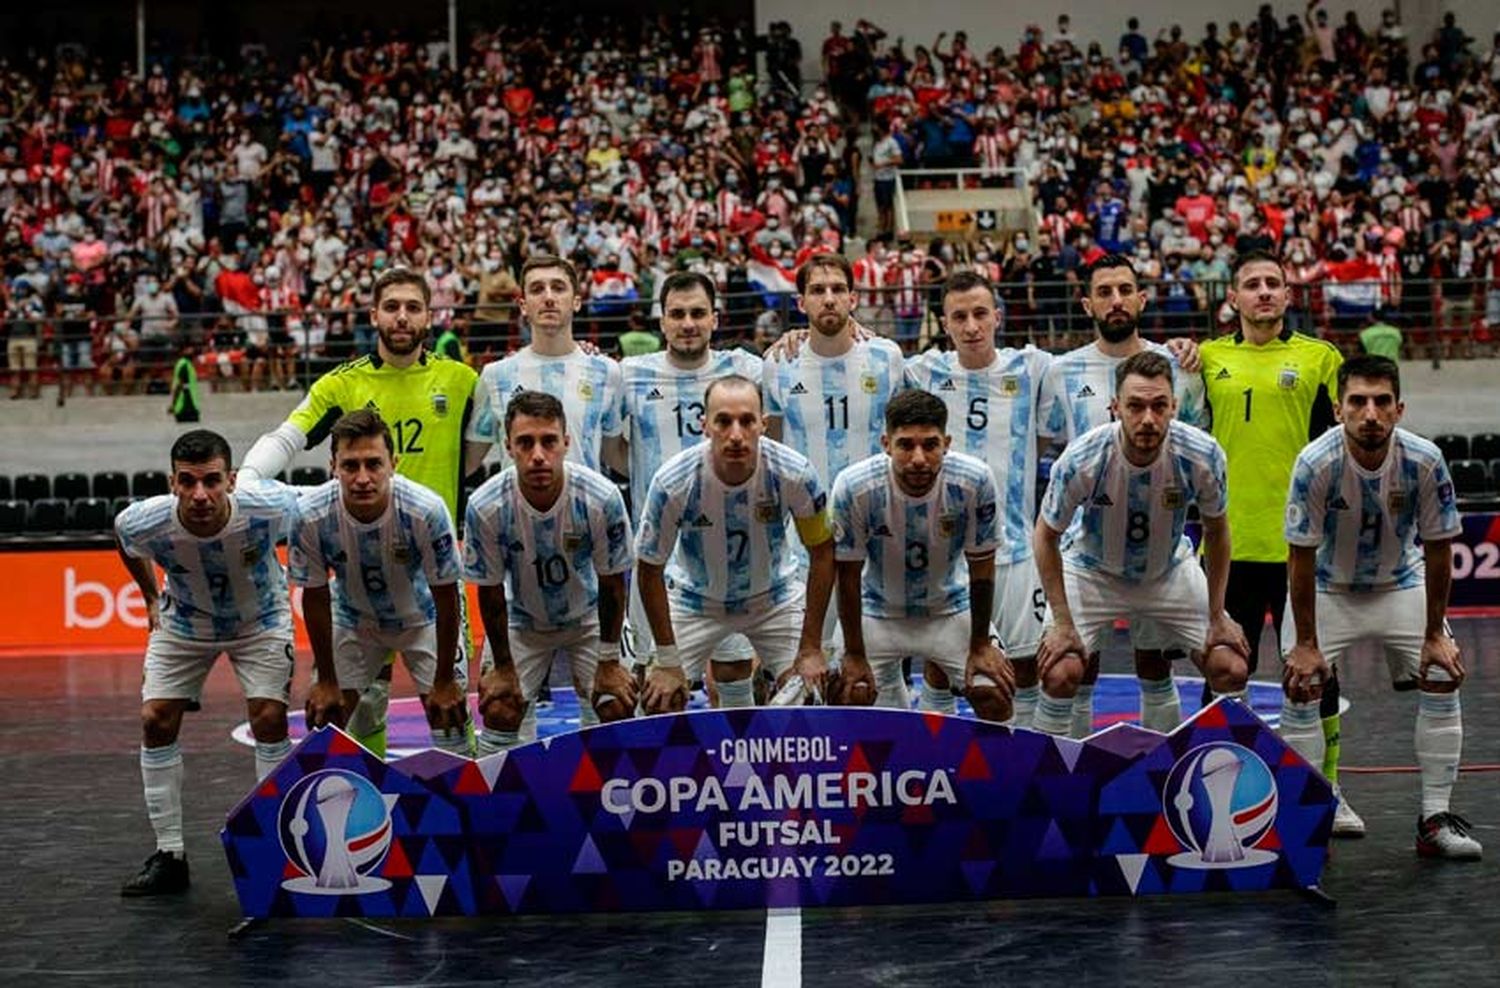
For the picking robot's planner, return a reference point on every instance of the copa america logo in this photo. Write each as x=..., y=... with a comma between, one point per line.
x=335, y=828
x=1220, y=801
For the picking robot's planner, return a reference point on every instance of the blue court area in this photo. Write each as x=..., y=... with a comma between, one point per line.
x=1116, y=701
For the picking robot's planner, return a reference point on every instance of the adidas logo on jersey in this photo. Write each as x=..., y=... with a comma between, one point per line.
x=1338, y=504
x=947, y=386
x=798, y=389
x=655, y=395
x=703, y=521
x=1103, y=501
x=1085, y=392
x=1223, y=374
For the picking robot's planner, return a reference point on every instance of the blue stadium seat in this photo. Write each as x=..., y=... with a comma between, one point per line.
x=12, y=517
x=70, y=486
x=148, y=483
x=111, y=484
x=1471, y=478
x=5, y=488
x=89, y=514
x=309, y=476
x=119, y=504
x=1485, y=446
x=48, y=516
x=33, y=487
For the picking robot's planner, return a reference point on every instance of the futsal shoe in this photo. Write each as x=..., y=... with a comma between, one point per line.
x=165, y=873
x=1447, y=835
x=1346, y=823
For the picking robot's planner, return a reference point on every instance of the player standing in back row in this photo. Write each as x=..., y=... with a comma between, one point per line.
x=424, y=398
x=1360, y=498
x=1269, y=392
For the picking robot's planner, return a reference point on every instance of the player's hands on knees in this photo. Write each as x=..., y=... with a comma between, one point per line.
x=988, y=668
x=614, y=694
x=501, y=704
x=1304, y=672
x=666, y=690
x=854, y=684
x=1059, y=642
x=447, y=706
x=1225, y=630
x=812, y=666
x=325, y=705
x=1442, y=652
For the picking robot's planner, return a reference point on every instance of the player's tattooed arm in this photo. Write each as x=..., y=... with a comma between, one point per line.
x=1305, y=668
x=447, y=707
x=500, y=702
x=1061, y=638
x=1438, y=647
x=614, y=691
x=857, y=686
x=666, y=684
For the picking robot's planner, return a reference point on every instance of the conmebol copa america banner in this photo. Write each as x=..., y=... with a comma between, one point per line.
x=780, y=807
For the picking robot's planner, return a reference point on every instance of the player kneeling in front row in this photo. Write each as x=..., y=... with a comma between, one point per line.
x=715, y=559
x=905, y=523
x=389, y=542
x=1360, y=497
x=225, y=593
x=552, y=539
x=1121, y=493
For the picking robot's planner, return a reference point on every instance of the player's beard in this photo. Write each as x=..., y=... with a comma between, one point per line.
x=1372, y=442
x=1117, y=331
x=691, y=353
x=417, y=336
x=830, y=324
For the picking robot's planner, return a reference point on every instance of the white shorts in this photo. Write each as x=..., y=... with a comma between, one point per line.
x=534, y=651
x=774, y=635
x=944, y=640
x=1020, y=609
x=360, y=653
x=1177, y=603
x=1394, y=619
x=176, y=667
x=637, y=644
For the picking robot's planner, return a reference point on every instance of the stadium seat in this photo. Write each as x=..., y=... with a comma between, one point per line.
x=48, y=516
x=495, y=468
x=5, y=488
x=12, y=517
x=33, y=487
x=1454, y=447
x=309, y=476
x=111, y=484
x=119, y=504
x=1485, y=446
x=70, y=486
x=89, y=514
x=1471, y=478
x=148, y=483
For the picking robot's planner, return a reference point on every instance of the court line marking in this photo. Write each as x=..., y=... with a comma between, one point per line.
x=782, y=964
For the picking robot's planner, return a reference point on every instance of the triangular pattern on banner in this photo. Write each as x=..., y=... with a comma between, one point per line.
x=489, y=767
x=396, y=863
x=1068, y=750
x=1161, y=840
x=589, y=860
x=857, y=761
x=268, y=789
x=1119, y=840
x=1270, y=842
x=513, y=887
x=1054, y=844
x=934, y=723
x=586, y=777
x=739, y=773
x=342, y=744
x=976, y=874
x=471, y=781
x=974, y=765
x=431, y=887
x=1131, y=866
x=1212, y=716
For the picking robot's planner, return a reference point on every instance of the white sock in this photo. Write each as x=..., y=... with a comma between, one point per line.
x=1024, y=705
x=1083, y=712
x=1054, y=715
x=587, y=715
x=1161, y=709
x=161, y=775
x=1239, y=694
x=937, y=701
x=1302, y=730
x=268, y=754
x=891, y=688
x=736, y=694
x=1440, y=739
x=454, y=740
x=494, y=742
x=528, y=722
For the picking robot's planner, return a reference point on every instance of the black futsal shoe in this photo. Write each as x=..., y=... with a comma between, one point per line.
x=165, y=873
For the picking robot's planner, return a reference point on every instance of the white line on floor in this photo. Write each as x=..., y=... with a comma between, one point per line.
x=782, y=967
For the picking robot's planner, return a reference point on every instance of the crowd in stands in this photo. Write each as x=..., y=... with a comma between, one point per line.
x=238, y=207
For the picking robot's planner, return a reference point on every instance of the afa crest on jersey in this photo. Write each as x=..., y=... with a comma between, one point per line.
x=1010, y=385
x=947, y=523
x=765, y=511
x=250, y=555
x=572, y=541
x=1173, y=498
x=401, y=553
x=868, y=384
x=1396, y=500
x=440, y=405
x=585, y=391
x=1287, y=380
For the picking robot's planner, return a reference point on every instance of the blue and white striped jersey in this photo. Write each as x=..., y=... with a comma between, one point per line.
x=664, y=409
x=992, y=415
x=550, y=561
x=1077, y=390
x=384, y=571
x=225, y=586
x=588, y=386
x=914, y=549
x=833, y=408
x=726, y=549
x=1129, y=519
x=1365, y=523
